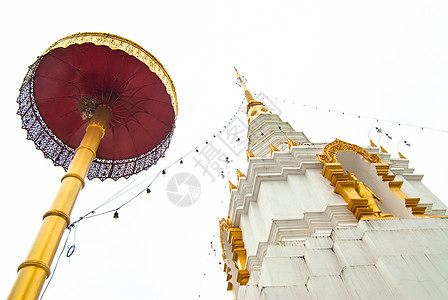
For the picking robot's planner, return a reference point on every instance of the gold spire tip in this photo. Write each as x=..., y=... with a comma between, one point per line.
x=238, y=75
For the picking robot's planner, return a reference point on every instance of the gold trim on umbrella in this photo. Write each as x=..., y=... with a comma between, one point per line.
x=116, y=42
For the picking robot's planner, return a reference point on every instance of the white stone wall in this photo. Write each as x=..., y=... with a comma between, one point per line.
x=378, y=259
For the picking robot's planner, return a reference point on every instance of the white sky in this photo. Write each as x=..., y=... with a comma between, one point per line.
x=386, y=59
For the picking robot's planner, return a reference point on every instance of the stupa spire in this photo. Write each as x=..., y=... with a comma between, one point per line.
x=254, y=107
x=241, y=80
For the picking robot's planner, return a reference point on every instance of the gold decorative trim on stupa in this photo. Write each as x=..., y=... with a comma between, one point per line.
x=234, y=238
x=272, y=148
x=346, y=186
x=291, y=143
x=249, y=154
x=330, y=150
x=232, y=186
x=239, y=174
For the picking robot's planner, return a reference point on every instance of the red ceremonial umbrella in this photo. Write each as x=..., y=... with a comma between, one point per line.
x=62, y=88
x=100, y=106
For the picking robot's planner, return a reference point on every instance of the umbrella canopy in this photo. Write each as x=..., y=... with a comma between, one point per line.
x=63, y=87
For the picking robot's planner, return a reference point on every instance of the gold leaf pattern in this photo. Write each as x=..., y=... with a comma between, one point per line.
x=330, y=150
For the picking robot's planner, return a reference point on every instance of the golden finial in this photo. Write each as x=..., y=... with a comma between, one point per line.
x=249, y=154
x=401, y=155
x=238, y=75
x=273, y=148
x=231, y=187
x=383, y=150
x=291, y=143
x=372, y=144
x=240, y=81
x=239, y=174
x=254, y=107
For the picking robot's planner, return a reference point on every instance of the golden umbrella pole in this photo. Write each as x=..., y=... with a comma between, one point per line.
x=36, y=267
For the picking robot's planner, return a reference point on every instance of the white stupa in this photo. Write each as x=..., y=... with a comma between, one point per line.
x=330, y=221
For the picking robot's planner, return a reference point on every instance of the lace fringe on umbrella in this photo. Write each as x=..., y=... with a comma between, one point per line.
x=61, y=154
